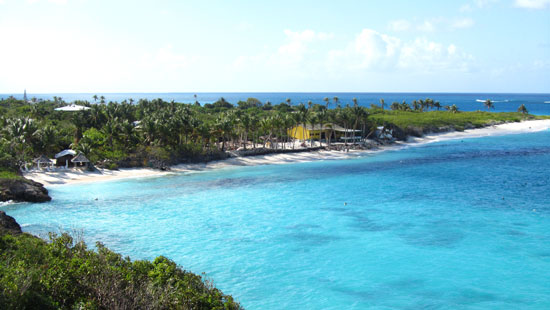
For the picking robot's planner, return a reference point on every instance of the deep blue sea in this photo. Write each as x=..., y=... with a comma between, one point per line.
x=535, y=103
x=461, y=224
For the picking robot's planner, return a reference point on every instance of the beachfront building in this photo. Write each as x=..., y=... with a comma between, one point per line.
x=72, y=108
x=42, y=162
x=64, y=158
x=324, y=132
x=80, y=161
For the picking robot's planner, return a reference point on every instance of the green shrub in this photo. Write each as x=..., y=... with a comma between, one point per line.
x=64, y=274
x=111, y=166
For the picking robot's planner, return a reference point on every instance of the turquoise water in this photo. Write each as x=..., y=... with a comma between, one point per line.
x=460, y=224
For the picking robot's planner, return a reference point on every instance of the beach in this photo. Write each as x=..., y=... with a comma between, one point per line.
x=59, y=178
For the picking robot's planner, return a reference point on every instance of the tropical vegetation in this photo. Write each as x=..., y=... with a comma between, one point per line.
x=149, y=132
x=65, y=274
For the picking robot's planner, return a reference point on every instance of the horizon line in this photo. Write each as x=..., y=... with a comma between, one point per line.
x=284, y=92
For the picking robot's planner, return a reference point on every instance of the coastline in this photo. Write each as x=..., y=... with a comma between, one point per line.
x=51, y=179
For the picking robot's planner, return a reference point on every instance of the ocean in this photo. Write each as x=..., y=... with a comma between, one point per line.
x=458, y=224
x=538, y=104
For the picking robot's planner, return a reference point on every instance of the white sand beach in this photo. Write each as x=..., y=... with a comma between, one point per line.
x=58, y=178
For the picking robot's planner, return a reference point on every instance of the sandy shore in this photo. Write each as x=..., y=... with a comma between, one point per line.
x=50, y=179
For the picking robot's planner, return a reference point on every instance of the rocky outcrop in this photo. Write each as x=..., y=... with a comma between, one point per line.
x=22, y=189
x=8, y=224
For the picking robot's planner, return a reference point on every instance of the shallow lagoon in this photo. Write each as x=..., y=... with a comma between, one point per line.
x=460, y=224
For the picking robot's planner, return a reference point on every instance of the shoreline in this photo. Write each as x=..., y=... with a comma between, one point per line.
x=53, y=179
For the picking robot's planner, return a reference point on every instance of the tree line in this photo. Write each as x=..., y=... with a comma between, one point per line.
x=136, y=132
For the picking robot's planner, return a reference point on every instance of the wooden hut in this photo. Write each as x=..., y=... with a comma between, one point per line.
x=80, y=160
x=64, y=158
x=42, y=161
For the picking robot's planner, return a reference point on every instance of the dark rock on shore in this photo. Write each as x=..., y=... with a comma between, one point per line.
x=8, y=224
x=22, y=189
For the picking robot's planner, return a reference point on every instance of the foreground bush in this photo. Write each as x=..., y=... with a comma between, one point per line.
x=63, y=274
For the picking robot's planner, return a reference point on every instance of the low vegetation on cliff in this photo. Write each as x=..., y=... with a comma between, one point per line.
x=64, y=274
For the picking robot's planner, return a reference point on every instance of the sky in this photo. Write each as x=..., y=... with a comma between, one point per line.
x=95, y=46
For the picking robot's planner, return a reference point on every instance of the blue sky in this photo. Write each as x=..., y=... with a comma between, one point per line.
x=205, y=46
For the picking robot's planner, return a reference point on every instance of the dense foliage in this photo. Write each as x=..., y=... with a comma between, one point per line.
x=63, y=274
x=150, y=132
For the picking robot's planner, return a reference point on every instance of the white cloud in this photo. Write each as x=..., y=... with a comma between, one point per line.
x=167, y=58
x=422, y=54
x=372, y=50
x=53, y=59
x=462, y=23
x=465, y=8
x=244, y=26
x=297, y=46
x=484, y=3
x=375, y=49
x=541, y=64
x=400, y=25
x=50, y=1
x=427, y=26
x=533, y=4
x=431, y=25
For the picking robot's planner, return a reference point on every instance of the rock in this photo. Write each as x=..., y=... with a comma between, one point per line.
x=8, y=223
x=23, y=190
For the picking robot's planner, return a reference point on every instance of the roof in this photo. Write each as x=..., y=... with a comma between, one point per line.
x=72, y=108
x=65, y=153
x=80, y=158
x=328, y=126
x=42, y=159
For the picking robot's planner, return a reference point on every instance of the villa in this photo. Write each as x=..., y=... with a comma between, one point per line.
x=64, y=158
x=318, y=132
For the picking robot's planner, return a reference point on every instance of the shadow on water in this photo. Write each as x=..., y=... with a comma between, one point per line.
x=309, y=239
x=360, y=219
x=390, y=294
x=443, y=238
x=335, y=169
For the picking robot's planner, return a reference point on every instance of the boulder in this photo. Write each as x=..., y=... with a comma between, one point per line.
x=8, y=223
x=22, y=189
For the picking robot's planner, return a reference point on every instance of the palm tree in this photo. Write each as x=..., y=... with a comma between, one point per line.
x=489, y=104
x=454, y=108
x=422, y=105
x=416, y=105
x=224, y=126
x=303, y=117
x=358, y=114
x=522, y=109
x=111, y=131
x=244, y=120
x=312, y=120
x=336, y=100
x=327, y=102
x=95, y=98
x=288, y=101
x=354, y=101
x=102, y=99
x=322, y=118
x=382, y=103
